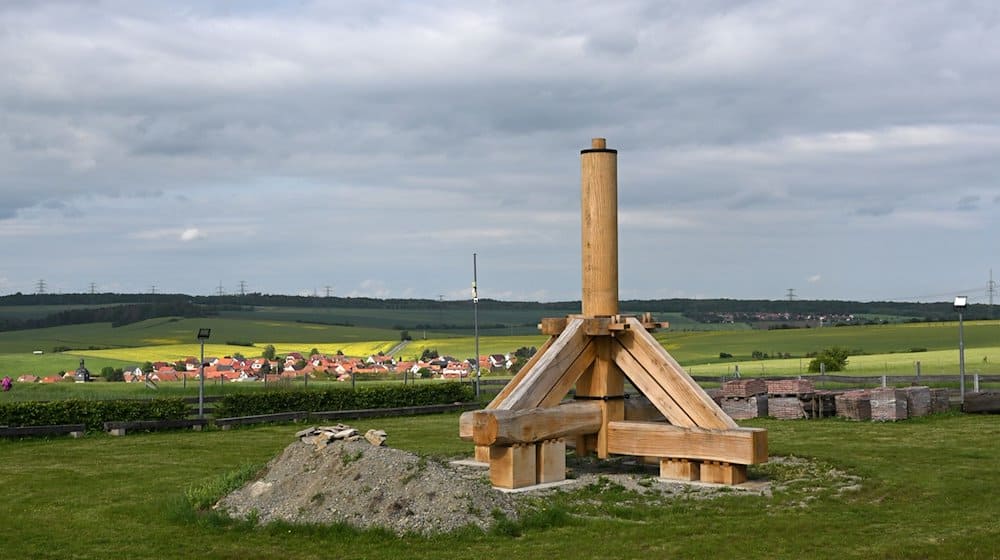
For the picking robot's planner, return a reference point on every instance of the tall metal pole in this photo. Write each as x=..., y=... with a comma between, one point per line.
x=201, y=381
x=961, y=359
x=475, y=320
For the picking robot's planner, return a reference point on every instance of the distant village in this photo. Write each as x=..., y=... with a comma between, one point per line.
x=291, y=366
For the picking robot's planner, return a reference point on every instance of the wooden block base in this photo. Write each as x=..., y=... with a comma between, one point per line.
x=482, y=453
x=680, y=469
x=550, y=461
x=512, y=466
x=723, y=473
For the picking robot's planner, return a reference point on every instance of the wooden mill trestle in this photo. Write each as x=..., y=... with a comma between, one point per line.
x=522, y=432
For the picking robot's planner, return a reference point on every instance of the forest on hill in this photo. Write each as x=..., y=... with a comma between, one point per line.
x=30, y=311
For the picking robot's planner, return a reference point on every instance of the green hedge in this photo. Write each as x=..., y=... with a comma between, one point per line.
x=93, y=413
x=386, y=396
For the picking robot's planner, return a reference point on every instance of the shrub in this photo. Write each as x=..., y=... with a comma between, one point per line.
x=271, y=402
x=831, y=359
x=93, y=413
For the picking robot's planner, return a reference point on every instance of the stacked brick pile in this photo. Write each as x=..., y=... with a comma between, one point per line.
x=888, y=404
x=854, y=405
x=784, y=387
x=918, y=401
x=743, y=388
x=745, y=408
x=743, y=399
x=821, y=405
x=785, y=398
x=939, y=401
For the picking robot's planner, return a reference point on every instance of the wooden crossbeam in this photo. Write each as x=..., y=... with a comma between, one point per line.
x=650, y=386
x=674, y=384
x=742, y=446
x=569, y=377
x=546, y=372
x=505, y=427
x=521, y=374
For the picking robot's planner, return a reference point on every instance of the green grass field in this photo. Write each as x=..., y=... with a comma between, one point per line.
x=887, y=348
x=164, y=331
x=924, y=493
x=702, y=347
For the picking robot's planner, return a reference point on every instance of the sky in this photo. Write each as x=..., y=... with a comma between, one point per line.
x=841, y=150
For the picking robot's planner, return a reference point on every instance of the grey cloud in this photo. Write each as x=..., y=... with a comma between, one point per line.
x=397, y=116
x=968, y=203
x=874, y=211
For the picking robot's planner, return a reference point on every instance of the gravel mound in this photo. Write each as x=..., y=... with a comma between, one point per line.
x=367, y=486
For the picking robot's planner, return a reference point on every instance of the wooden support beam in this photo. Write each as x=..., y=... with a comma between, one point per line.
x=606, y=382
x=530, y=391
x=561, y=387
x=550, y=461
x=465, y=422
x=673, y=380
x=553, y=326
x=512, y=466
x=505, y=427
x=742, y=446
x=650, y=387
x=525, y=370
x=482, y=454
x=723, y=473
x=679, y=469
x=599, y=228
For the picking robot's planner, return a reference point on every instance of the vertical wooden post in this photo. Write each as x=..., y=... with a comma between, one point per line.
x=599, y=211
x=599, y=235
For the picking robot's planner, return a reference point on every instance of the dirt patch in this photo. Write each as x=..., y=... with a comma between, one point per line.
x=366, y=486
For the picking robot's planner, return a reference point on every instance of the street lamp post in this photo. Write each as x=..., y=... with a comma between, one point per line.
x=961, y=302
x=203, y=335
x=475, y=322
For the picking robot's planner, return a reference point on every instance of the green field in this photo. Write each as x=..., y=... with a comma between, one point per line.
x=182, y=331
x=693, y=348
x=924, y=493
x=886, y=349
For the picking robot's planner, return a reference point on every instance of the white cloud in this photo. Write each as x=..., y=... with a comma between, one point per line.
x=190, y=234
x=814, y=279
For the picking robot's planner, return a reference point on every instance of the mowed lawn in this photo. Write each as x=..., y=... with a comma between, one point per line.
x=926, y=491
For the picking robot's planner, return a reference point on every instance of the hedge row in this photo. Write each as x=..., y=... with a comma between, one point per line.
x=93, y=413
x=386, y=396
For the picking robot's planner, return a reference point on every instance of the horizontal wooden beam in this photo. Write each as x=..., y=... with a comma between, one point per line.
x=506, y=427
x=741, y=446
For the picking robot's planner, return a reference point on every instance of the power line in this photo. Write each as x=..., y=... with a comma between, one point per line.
x=243, y=287
x=329, y=291
x=93, y=288
x=791, y=294
x=40, y=286
x=219, y=291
